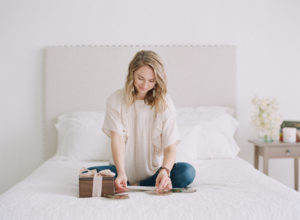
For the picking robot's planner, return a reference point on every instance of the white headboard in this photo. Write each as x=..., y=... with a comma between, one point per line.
x=79, y=78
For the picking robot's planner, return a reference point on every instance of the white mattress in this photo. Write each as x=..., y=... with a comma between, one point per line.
x=226, y=189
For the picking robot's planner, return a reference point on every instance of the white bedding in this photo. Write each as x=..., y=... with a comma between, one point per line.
x=226, y=189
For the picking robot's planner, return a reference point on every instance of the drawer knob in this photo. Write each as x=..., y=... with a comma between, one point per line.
x=288, y=152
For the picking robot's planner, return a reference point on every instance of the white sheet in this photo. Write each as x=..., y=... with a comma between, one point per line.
x=227, y=189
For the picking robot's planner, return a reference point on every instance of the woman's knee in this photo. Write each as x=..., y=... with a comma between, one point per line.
x=188, y=173
x=183, y=175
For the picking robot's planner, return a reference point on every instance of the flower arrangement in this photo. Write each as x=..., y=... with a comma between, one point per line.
x=266, y=118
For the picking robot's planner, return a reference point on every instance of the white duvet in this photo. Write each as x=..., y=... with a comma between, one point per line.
x=226, y=189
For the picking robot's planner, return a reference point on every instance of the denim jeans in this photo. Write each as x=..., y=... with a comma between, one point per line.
x=182, y=174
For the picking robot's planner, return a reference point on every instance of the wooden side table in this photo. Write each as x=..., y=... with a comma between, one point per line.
x=276, y=150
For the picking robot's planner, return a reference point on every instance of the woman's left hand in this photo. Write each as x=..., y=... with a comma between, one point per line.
x=163, y=181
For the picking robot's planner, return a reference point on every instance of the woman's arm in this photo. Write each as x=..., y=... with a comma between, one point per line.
x=169, y=156
x=118, y=152
x=163, y=182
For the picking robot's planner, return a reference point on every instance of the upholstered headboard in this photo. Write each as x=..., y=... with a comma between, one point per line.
x=79, y=78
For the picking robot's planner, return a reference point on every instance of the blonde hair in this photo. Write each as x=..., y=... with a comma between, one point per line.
x=156, y=96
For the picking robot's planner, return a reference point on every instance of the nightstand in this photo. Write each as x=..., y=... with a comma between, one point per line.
x=276, y=150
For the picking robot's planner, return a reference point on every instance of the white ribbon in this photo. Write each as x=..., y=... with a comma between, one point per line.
x=97, y=179
x=97, y=185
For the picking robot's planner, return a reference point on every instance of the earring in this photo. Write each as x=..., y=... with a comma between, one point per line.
x=153, y=93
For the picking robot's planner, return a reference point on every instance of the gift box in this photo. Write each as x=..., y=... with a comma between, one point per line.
x=93, y=184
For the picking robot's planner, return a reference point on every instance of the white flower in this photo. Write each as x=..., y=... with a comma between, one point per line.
x=265, y=115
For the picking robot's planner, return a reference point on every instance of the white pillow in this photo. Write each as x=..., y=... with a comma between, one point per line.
x=206, y=133
x=216, y=138
x=186, y=150
x=80, y=136
x=194, y=115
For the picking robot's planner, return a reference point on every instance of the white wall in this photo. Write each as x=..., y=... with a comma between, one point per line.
x=266, y=33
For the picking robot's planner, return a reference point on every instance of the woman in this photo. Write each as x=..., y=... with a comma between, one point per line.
x=141, y=122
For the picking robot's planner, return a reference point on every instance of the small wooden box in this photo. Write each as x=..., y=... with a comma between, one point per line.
x=86, y=186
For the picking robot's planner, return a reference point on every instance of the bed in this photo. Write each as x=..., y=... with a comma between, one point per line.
x=227, y=186
x=227, y=189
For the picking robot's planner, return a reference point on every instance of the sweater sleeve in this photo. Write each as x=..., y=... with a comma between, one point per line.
x=166, y=131
x=112, y=120
x=170, y=131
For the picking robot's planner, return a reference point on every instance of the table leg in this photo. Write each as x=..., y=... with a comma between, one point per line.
x=256, y=157
x=266, y=165
x=296, y=170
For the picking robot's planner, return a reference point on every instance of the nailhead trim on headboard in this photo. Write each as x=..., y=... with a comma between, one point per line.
x=143, y=45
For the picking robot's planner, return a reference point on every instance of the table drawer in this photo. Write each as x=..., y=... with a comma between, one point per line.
x=284, y=151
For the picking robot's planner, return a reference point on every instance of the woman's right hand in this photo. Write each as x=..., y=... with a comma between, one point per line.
x=121, y=183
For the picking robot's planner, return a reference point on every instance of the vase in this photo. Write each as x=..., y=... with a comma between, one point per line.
x=264, y=136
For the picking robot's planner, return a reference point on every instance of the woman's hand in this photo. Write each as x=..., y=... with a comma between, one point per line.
x=163, y=181
x=121, y=183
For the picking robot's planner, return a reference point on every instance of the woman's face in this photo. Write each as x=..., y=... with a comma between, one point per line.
x=144, y=80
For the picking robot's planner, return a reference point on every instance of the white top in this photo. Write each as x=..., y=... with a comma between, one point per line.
x=146, y=133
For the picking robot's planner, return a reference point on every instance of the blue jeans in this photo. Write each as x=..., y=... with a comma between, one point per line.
x=182, y=174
